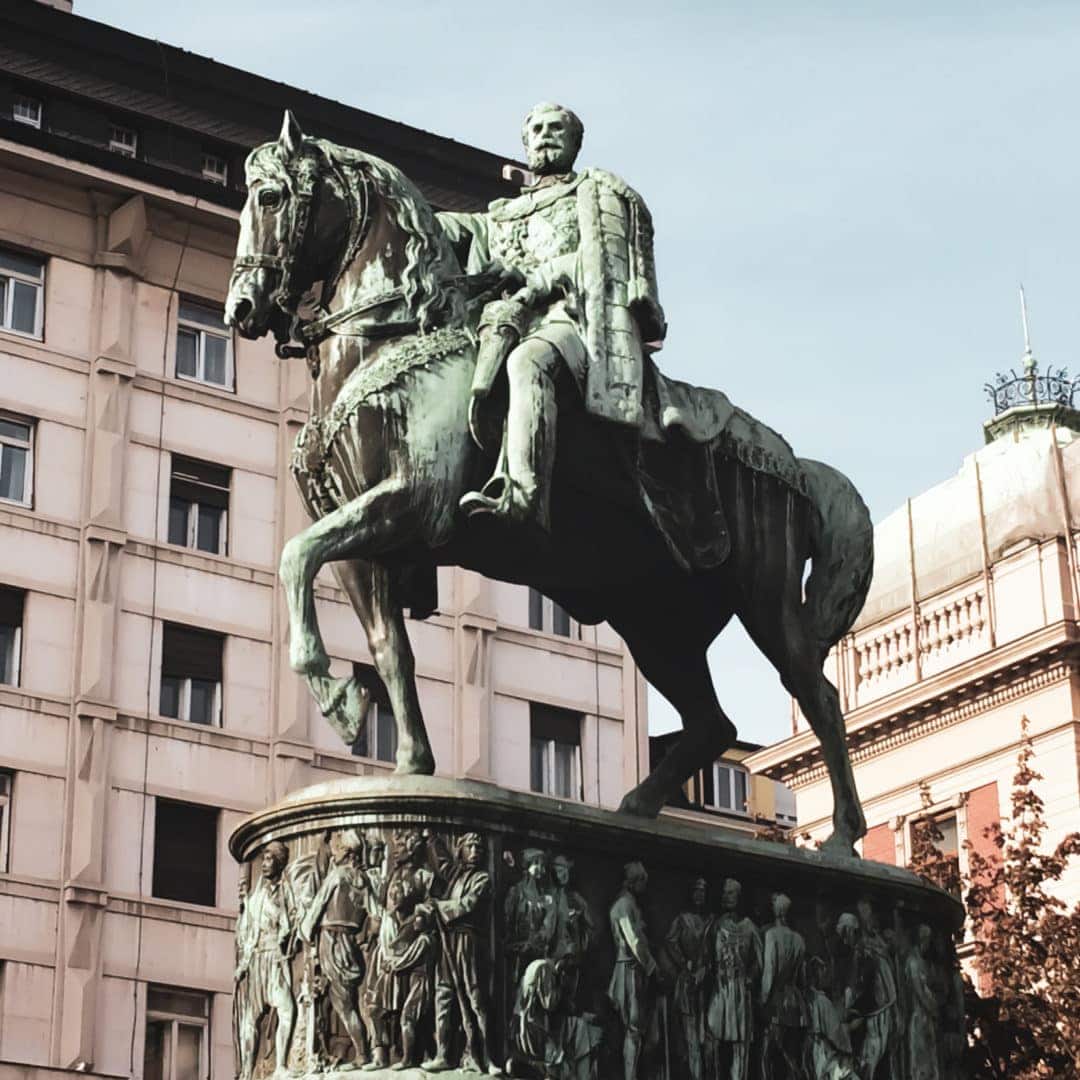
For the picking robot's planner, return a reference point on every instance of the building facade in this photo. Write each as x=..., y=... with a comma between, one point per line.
x=146, y=704
x=970, y=626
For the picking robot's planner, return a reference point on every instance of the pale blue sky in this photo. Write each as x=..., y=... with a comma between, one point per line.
x=846, y=195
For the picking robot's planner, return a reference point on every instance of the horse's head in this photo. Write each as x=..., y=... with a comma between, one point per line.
x=291, y=231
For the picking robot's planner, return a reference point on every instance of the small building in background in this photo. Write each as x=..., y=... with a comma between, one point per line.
x=969, y=627
x=727, y=793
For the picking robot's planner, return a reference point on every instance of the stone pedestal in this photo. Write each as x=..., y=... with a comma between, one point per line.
x=422, y=925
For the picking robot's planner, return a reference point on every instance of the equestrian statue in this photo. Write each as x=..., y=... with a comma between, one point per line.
x=484, y=395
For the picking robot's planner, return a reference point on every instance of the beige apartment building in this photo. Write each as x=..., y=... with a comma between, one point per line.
x=970, y=626
x=145, y=702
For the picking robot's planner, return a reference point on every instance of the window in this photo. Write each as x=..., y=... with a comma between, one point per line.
x=191, y=675
x=11, y=618
x=555, y=751
x=177, y=1026
x=123, y=140
x=26, y=110
x=22, y=279
x=199, y=505
x=724, y=787
x=16, y=459
x=215, y=169
x=185, y=852
x=203, y=345
x=939, y=837
x=377, y=737
x=6, y=784
x=546, y=615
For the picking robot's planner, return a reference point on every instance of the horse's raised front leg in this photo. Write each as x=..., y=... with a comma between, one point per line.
x=369, y=588
x=376, y=521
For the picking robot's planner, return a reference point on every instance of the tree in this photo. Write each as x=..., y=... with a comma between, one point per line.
x=1024, y=1023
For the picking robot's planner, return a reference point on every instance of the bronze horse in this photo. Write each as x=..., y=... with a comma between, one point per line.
x=387, y=454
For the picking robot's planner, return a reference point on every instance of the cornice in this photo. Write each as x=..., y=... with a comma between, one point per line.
x=1043, y=658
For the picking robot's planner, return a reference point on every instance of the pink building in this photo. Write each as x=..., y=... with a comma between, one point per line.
x=970, y=625
x=145, y=705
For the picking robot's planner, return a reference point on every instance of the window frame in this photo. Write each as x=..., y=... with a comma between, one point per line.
x=732, y=769
x=184, y=701
x=122, y=146
x=16, y=647
x=378, y=709
x=955, y=808
x=206, y=875
x=202, y=330
x=26, y=99
x=213, y=175
x=38, y=285
x=7, y=785
x=176, y=1020
x=547, y=743
x=545, y=612
x=7, y=440
x=187, y=471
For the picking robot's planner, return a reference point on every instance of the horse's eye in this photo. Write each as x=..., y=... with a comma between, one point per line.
x=270, y=197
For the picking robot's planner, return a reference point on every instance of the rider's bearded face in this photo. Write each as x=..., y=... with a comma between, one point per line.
x=550, y=143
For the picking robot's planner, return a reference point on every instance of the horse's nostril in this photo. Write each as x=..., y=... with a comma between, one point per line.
x=240, y=311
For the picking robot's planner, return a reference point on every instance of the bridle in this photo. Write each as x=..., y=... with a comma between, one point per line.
x=303, y=188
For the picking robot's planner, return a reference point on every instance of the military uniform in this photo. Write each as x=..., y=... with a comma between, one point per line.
x=585, y=240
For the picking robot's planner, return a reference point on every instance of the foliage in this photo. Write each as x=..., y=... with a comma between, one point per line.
x=1024, y=1022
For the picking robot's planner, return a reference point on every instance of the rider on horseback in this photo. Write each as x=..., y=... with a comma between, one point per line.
x=579, y=245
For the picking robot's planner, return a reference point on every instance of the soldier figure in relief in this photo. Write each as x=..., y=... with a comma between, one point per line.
x=736, y=954
x=530, y=914
x=580, y=246
x=687, y=946
x=634, y=966
x=335, y=921
x=265, y=931
x=783, y=998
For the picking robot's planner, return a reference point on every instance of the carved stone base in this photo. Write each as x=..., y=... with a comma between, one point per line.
x=463, y=926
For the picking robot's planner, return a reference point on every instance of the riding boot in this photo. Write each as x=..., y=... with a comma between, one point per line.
x=530, y=440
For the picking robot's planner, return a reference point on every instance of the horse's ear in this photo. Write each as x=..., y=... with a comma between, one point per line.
x=291, y=137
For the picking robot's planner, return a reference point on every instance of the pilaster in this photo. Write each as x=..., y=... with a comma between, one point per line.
x=121, y=242
x=474, y=643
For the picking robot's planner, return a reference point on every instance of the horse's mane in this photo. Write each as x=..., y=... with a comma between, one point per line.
x=428, y=282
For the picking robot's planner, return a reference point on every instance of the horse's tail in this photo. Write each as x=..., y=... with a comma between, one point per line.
x=842, y=553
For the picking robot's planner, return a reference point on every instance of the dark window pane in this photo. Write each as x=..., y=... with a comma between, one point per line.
x=170, y=696
x=12, y=429
x=4, y=283
x=184, y=1002
x=24, y=307
x=21, y=264
x=178, y=521
x=13, y=473
x=387, y=743
x=560, y=621
x=537, y=778
x=203, y=698
x=8, y=657
x=155, y=1056
x=202, y=314
x=214, y=350
x=536, y=610
x=190, y=653
x=208, y=535
x=723, y=794
x=200, y=481
x=187, y=353
x=185, y=852
x=740, y=790
x=362, y=742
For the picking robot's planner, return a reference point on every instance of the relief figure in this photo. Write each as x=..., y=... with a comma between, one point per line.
x=687, y=946
x=736, y=957
x=265, y=938
x=922, y=1025
x=333, y=924
x=634, y=966
x=783, y=1001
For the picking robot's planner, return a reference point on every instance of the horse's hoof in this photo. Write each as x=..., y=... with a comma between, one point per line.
x=309, y=662
x=838, y=846
x=418, y=763
x=637, y=804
